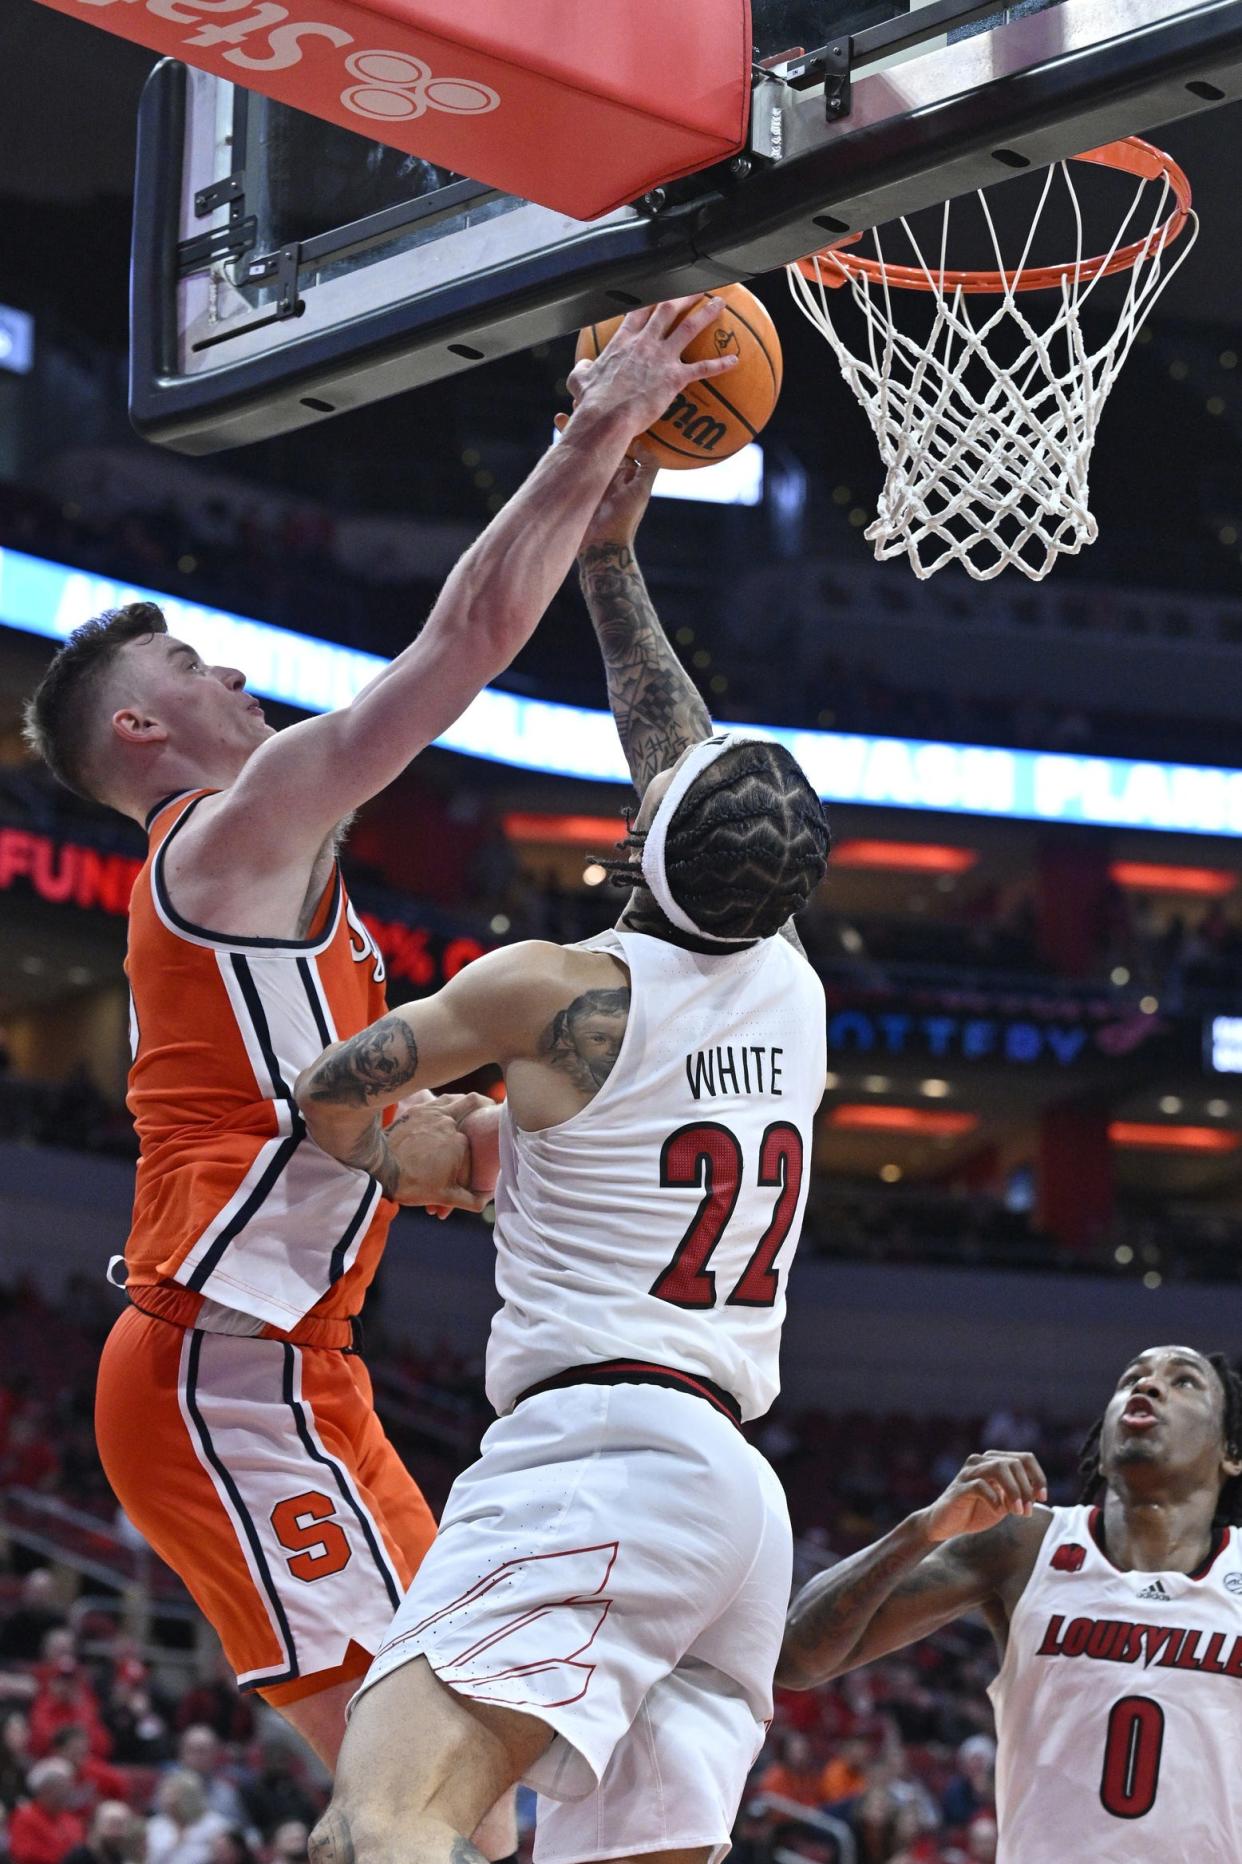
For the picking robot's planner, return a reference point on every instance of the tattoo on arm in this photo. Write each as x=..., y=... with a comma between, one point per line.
x=584, y=1039
x=369, y=1066
x=371, y=1154
x=831, y=1614
x=829, y=1621
x=654, y=701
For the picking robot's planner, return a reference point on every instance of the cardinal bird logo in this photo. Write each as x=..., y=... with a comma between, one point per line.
x=1068, y=1559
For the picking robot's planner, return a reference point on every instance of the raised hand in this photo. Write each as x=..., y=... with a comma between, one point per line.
x=988, y=1487
x=640, y=372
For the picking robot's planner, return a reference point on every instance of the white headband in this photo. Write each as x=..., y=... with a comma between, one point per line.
x=700, y=759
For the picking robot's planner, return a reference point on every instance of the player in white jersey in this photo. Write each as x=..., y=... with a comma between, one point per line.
x=605, y=1600
x=1119, y=1698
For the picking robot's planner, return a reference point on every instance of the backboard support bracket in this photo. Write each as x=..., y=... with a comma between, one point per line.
x=461, y=275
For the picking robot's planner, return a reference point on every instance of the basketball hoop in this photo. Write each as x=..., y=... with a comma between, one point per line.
x=986, y=422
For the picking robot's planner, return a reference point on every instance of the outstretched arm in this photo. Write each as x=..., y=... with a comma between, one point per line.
x=954, y=1557
x=306, y=779
x=654, y=701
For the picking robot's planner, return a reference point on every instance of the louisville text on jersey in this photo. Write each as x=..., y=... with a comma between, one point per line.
x=1165, y=1647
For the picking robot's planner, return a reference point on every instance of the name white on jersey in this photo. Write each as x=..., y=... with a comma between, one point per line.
x=659, y=1223
x=1118, y=1708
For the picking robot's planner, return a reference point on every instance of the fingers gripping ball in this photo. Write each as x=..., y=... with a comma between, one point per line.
x=708, y=421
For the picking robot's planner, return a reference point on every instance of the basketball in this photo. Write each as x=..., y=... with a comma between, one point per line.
x=709, y=421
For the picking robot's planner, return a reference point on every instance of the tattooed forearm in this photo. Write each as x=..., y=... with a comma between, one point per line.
x=584, y=1039
x=370, y=1066
x=653, y=699
x=370, y=1153
x=829, y=1617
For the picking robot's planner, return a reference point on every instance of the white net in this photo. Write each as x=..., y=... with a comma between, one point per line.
x=987, y=418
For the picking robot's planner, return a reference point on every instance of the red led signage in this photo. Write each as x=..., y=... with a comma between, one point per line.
x=66, y=873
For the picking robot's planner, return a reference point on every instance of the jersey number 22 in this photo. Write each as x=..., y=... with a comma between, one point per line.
x=709, y=1157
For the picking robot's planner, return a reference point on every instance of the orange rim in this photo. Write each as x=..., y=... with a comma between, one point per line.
x=833, y=267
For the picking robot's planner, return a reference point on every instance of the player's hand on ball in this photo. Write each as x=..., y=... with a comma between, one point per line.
x=988, y=1487
x=641, y=371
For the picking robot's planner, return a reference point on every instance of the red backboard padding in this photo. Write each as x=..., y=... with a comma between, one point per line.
x=577, y=104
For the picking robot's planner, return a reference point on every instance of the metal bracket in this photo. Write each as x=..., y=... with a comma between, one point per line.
x=217, y=193
x=829, y=65
x=283, y=267
x=226, y=242
x=837, y=92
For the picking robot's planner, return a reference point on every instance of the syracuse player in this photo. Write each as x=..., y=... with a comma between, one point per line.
x=234, y=1422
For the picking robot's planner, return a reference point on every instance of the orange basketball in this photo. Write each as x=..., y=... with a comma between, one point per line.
x=710, y=420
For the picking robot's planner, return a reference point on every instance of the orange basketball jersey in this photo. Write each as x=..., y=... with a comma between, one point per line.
x=235, y=1206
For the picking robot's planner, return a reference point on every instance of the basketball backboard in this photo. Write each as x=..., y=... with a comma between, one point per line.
x=285, y=270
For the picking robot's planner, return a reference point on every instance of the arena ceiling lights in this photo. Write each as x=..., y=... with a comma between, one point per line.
x=52, y=599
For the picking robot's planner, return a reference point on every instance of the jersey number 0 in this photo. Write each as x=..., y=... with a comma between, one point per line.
x=1132, y=1757
x=709, y=1157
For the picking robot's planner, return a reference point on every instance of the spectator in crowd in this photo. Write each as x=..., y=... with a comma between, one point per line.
x=232, y=1847
x=22, y=1633
x=874, y=1822
x=15, y=1758
x=43, y=1829
x=136, y=1726
x=216, y=1701
x=117, y=1835
x=795, y=1776
x=913, y=1837
x=93, y=1779
x=182, y=1830
x=981, y=1839
x=29, y=1459
x=66, y=1699
x=289, y=1842
x=199, y=1751
x=971, y=1790
x=845, y=1776
x=278, y=1793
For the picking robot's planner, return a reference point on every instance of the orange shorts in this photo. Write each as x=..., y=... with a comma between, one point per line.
x=260, y=1472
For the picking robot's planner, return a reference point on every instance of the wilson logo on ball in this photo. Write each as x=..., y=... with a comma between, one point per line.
x=698, y=428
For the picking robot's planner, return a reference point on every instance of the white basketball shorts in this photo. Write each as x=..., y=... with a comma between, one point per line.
x=617, y=1563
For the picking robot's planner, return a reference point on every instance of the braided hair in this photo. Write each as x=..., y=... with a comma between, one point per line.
x=1229, y=1503
x=747, y=846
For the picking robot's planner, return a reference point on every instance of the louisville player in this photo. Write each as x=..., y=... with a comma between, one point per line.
x=233, y=1420
x=1119, y=1621
x=601, y=1612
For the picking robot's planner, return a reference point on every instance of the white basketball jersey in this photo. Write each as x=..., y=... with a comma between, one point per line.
x=1119, y=1708
x=658, y=1224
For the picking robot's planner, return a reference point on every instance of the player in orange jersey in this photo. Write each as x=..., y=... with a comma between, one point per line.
x=233, y=1419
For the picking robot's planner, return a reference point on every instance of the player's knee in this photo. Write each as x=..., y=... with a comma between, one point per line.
x=345, y=1835
x=331, y=1839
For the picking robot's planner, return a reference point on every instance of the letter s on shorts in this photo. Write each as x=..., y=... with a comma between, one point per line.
x=317, y=1545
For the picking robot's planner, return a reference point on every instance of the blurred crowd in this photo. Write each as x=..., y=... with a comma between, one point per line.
x=105, y=1760
x=302, y=564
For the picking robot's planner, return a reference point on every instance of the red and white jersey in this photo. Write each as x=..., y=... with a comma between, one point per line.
x=659, y=1223
x=1119, y=1707
x=235, y=1208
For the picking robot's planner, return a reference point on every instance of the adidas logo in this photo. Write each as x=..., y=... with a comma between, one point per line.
x=1154, y=1591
